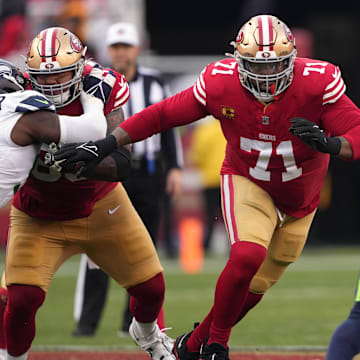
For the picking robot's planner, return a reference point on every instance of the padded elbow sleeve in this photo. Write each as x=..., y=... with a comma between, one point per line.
x=122, y=158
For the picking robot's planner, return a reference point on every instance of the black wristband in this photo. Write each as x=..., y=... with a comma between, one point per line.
x=106, y=146
x=333, y=145
x=122, y=158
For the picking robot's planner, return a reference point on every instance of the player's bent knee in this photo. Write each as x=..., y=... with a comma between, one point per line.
x=264, y=280
x=247, y=257
x=152, y=289
x=260, y=285
x=25, y=297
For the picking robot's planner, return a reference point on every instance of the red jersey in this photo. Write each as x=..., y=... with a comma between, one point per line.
x=50, y=195
x=259, y=144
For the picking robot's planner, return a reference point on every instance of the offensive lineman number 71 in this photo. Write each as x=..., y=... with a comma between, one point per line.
x=265, y=149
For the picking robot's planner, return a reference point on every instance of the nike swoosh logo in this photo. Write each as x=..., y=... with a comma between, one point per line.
x=181, y=341
x=42, y=101
x=112, y=211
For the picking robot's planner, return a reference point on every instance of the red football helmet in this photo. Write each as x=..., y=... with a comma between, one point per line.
x=56, y=50
x=265, y=52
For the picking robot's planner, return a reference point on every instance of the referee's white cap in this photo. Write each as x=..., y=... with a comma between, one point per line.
x=122, y=33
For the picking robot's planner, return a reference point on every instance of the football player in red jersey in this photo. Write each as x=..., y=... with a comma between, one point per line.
x=282, y=117
x=55, y=216
x=27, y=119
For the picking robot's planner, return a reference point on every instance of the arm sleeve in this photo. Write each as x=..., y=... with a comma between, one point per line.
x=177, y=110
x=343, y=119
x=92, y=125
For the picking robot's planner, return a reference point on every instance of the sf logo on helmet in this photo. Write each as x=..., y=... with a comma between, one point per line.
x=75, y=43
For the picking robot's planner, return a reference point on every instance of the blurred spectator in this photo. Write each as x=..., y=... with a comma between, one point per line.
x=207, y=153
x=304, y=42
x=14, y=39
x=74, y=16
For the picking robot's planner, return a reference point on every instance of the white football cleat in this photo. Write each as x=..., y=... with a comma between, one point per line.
x=157, y=344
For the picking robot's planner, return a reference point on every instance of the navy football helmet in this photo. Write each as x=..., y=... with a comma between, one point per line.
x=11, y=78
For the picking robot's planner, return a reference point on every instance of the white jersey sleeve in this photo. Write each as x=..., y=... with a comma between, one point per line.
x=16, y=161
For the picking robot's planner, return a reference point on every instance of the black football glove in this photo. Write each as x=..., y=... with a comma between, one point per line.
x=87, y=154
x=99, y=84
x=313, y=136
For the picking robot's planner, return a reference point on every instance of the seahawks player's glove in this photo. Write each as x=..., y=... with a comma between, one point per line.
x=313, y=136
x=78, y=158
x=99, y=84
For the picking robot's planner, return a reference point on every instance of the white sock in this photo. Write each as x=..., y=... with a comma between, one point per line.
x=144, y=329
x=2, y=354
x=21, y=357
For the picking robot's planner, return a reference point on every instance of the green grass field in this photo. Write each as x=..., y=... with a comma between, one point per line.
x=301, y=310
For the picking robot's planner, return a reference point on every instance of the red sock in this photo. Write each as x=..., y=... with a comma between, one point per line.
x=3, y=301
x=232, y=288
x=147, y=299
x=23, y=303
x=200, y=333
x=251, y=300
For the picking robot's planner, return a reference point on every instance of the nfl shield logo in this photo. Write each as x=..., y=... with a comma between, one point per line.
x=265, y=120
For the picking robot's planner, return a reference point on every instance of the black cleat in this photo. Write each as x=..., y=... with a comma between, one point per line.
x=214, y=351
x=180, y=350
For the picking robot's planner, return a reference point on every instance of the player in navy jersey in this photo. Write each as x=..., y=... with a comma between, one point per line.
x=282, y=117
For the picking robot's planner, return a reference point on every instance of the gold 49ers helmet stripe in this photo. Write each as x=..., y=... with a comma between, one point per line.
x=266, y=42
x=48, y=42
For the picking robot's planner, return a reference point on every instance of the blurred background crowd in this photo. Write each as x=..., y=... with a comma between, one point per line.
x=180, y=39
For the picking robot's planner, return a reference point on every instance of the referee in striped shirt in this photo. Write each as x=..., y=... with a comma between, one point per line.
x=156, y=169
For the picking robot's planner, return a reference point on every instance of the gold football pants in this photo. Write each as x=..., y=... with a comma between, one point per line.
x=113, y=237
x=251, y=215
